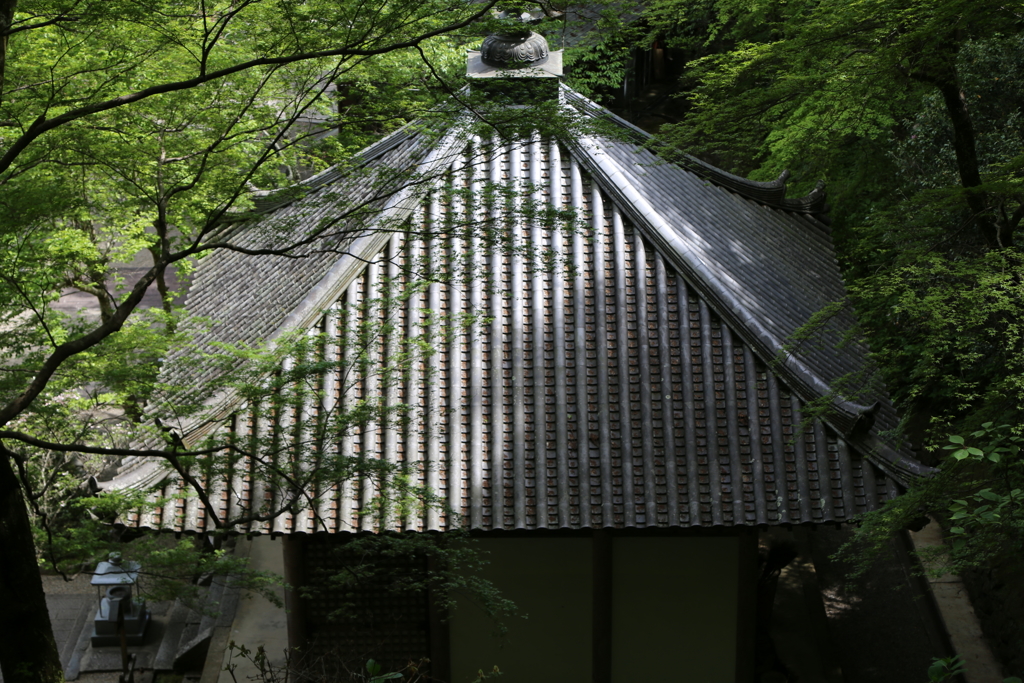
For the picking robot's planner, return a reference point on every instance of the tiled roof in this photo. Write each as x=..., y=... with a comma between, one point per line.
x=247, y=296
x=766, y=270
x=637, y=388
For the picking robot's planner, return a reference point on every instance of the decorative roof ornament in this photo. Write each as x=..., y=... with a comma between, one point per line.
x=744, y=265
x=514, y=50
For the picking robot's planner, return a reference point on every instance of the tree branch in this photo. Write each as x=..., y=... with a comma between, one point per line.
x=50, y=22
x=42, y=125
x=97, y=450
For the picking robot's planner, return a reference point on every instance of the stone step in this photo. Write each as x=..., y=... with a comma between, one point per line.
x=217, y=609
x=178, y=618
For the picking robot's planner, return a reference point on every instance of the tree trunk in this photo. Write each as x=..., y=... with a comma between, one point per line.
x=7, y=8
x=28, y=651
x=160, y=251
x=965, y=147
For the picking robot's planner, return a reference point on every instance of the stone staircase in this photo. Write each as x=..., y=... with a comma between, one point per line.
x=187, y=640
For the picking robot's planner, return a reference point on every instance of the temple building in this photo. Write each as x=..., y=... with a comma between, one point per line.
x=614, y=393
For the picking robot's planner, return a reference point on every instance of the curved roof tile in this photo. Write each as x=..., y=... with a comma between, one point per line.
x=641, y=388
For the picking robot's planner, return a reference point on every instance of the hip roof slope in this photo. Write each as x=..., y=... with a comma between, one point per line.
x=764, y=270
x=767, y=269
x=244, y=297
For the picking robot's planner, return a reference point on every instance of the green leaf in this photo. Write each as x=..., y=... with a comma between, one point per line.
x=961, y=454
x=975, y=451
x=373, y=667
x=956, y=530
x=956, y=439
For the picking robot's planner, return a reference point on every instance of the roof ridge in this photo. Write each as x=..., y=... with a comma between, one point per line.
x=771, y=193
x=269, y=200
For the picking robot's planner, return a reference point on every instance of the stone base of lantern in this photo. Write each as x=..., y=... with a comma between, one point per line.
x=105, y=629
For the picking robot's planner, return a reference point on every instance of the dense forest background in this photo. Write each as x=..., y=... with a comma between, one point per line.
x=910, y=111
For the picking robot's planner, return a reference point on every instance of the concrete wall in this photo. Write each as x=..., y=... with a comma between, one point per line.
x=673, y=610
x=257, y=620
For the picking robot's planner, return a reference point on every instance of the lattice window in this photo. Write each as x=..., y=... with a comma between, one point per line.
x=370, y=618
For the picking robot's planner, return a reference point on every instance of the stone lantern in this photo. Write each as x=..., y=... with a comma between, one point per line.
x=114, y=580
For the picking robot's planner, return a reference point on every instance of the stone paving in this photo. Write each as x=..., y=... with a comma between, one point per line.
x=69, y=615
x=71, y=605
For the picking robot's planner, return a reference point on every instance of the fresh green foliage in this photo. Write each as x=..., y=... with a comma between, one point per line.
x=990, y=515
x=791, y=82
x=598, y=65
x=946, y=669
x=448, y=565
x=120, y=142
x=945, y=328
x=977, y=491
x=134, y=132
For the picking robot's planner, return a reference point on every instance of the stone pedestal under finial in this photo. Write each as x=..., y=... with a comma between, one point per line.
x=520, y=54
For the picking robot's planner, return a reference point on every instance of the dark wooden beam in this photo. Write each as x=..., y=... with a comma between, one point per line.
x=440, y=639
x=294, y=575
x=602, y=607
x=746, y=607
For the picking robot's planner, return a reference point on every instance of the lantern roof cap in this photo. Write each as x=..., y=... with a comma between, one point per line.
x=110, y=574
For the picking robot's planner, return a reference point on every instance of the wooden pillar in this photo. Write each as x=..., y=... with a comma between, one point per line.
x=602, y=607
x=294, y=576
x=658, y=62
x=440, y=641
x=746, y=606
